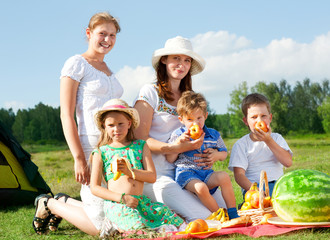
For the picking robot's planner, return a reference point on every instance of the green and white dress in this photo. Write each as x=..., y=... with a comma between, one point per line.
x=147, y=214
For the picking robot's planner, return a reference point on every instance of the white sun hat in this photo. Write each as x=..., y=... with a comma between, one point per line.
x=117, y=105
x=179, y=45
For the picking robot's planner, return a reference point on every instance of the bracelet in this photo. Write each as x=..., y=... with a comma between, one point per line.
x=121, y=198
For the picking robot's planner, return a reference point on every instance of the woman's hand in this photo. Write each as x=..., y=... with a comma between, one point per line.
x=130, y=201
x=82, y=172
x=209, y=157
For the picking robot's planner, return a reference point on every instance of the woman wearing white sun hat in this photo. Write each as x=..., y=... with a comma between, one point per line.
x=156, y=104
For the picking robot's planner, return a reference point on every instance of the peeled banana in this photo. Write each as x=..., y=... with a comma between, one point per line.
x=220, y=215
x=114, y=167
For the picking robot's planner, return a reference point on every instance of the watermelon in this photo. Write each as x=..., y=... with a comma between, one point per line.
x=302, y=196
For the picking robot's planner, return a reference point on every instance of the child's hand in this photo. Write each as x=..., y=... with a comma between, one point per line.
x=130, y=201
x=122, y=166
x=191, y=145
x=183, y=138
x=261, y=135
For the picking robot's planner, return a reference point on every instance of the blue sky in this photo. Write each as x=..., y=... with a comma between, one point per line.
x=240, y=40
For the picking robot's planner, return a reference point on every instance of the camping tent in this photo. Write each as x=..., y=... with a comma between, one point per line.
x=20, y=181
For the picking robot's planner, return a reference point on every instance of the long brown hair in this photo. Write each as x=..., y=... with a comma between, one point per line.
x=164, y=86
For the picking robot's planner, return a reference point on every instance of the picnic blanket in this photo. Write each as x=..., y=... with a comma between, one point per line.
x=252, y=231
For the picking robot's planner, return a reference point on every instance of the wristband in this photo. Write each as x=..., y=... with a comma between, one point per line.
x=121, y=198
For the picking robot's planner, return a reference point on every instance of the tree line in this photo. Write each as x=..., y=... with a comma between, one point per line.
x=303, y=108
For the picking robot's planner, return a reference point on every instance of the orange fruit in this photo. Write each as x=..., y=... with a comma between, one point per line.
x=203, y=223
x=194, y=227
x=195, y=131
x=246, y=206
x=261, y=125
x=255, y=200
x=267, y=202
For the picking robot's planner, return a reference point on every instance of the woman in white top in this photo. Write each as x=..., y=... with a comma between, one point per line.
x=156, y=104
x=86, y=84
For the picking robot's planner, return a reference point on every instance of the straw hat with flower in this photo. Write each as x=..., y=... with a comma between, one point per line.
x=117, y=105
x=179, y=45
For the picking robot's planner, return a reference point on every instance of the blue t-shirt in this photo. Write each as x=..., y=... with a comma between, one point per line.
x=212, y=139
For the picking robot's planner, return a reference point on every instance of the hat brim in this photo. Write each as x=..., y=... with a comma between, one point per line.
x=197, y=65
x=132, y=112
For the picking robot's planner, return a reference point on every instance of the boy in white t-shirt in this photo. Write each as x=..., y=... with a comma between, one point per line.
x=258, y=150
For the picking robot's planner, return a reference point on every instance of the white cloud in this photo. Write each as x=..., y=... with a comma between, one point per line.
x=230, y=60
x=133, y=79
x=280, y=59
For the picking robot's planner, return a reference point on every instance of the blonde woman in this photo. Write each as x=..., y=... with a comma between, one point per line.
x=86, y=84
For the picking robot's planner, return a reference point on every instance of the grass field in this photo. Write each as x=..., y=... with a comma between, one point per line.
x=56, y=166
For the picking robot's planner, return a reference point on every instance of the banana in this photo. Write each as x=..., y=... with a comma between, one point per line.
x=213, y=215
x=219, y=216
x=114, y=167
x=224, y=216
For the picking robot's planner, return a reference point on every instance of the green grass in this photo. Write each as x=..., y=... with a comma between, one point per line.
x=56, y=166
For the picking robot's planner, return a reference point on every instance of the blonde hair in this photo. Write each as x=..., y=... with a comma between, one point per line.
x=190, y=101
x=105, y=138
x=103, y=17
x=253, y=99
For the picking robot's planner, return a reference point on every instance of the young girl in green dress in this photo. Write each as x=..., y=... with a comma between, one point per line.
x=125, y=205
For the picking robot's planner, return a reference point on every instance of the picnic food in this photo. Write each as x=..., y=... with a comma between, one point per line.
x=263, y=207
x=220, y=215
x=195, y=131
x=252, y=199
x=302, y=196
x=198, y=225
x=237, y=222
x=253, y=189
x=261, y=125
x=265, y=218
x=246, y=206
x=114, y=167
x=204, y=225
x=267, y=202
x=255, y=200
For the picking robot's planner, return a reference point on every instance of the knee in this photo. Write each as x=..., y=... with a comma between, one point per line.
x=201, y=188
x=224, y=178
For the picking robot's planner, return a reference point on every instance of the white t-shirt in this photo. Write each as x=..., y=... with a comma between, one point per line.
x=95, y=88
x=256, y=156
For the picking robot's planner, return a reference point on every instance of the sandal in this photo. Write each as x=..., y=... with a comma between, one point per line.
x=55, y=221
x=42, y=228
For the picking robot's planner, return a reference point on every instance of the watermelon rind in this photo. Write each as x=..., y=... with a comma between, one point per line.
x=302, y=196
